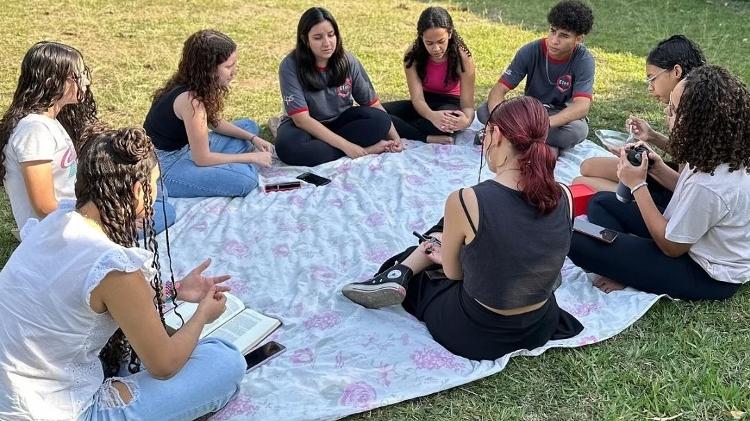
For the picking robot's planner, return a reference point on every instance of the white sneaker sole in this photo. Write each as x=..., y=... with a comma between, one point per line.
x=375, y=296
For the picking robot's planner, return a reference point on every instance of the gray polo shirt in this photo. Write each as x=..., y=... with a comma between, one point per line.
x=328, y=103
x=551, y=81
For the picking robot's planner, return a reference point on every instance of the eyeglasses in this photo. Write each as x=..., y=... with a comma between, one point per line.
x=650, y=80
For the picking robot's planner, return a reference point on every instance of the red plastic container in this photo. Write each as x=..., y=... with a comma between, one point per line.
x=582, y=193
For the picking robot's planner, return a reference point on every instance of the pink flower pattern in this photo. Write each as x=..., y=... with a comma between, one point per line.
x=378, y=255
x=415, y=180
x=340, y=360
x=200, y=226
x=324, y=320
x=281, y=250
x=238, y=286
x=296, y=200
x=434, y=359
x=303, y=356
x=240, y=406
x=384, y=373
x=323, y=274
x=584, y=309
x=336, y=203
x=587, y=340
x=235, y=248
x=375, y=220
x=359, y=395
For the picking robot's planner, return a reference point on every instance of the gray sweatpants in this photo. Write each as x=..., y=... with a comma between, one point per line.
x=562, y=137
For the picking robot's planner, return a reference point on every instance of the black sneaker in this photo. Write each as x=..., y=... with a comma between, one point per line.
x=385, y=289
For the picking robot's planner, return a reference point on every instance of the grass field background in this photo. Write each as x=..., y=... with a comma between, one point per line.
x=682, y=360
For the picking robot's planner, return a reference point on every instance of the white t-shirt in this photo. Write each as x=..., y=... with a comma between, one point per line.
x=38, y=138
x=50, y=337
x=713, y=214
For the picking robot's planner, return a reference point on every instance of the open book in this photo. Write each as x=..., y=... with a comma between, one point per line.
x=241, y=326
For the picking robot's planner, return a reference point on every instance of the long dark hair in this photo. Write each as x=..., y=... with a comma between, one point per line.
x=524, y=122
x=712, y=121
x=677, y=50
x=437, y=17
x=201, y=54
x=44, y=70
x=338, y=64
x=110, y=164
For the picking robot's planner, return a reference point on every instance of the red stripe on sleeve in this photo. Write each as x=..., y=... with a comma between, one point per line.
x=297, y=111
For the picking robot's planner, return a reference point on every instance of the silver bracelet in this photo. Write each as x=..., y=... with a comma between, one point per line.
x=638, y=186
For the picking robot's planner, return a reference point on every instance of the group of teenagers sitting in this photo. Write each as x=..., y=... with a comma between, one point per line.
x=89, y=303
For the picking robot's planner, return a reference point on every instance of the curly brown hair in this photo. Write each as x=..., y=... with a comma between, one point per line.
x=712, y=121
x=201, y=53
x=44, y=70
x=111, y=162
x=437, y=17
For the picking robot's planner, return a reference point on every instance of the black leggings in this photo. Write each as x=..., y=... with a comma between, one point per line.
x=466, y=328
x=363, y=126
x=410, y=125
x=635, y=260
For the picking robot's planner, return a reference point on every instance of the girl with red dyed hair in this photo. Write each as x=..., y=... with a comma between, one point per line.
x=491, y=291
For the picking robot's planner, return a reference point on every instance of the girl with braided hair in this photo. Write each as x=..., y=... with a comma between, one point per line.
x=440, y=75
x=77, y=279
x=41, y=130
x=698, y=248
x=201, y=154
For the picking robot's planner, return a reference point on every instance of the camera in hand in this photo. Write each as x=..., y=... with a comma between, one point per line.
x=635, y=158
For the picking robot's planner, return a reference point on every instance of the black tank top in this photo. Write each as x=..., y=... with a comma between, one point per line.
x=162, y=125
x=516, y=255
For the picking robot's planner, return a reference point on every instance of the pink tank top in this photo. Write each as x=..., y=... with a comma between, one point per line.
x=434, y=79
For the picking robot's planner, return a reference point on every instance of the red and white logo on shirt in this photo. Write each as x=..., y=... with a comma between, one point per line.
x=346, y=89
x=564, y=83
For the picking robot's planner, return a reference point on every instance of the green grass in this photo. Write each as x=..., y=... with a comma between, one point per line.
x=680, y=359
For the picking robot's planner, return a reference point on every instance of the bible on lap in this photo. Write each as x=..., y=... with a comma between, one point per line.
x=243, y=327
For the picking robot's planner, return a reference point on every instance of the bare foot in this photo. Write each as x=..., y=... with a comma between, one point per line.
x=379, y=147
x=607, y=285
x=440, y=139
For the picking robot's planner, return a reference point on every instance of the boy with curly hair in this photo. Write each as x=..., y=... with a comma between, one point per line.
x=559, y=72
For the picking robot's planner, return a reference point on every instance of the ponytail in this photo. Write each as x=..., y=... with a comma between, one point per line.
x=537, y=180
x=524, y=122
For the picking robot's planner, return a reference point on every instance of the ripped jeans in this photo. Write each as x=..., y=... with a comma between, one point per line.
x=208, y=381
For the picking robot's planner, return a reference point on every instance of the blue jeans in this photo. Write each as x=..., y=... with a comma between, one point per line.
x=182, y=178
x=207, y=382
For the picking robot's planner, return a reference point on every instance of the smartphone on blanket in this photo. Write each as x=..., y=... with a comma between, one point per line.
x=314, y=179
x=594, y=231
x=263, y=354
